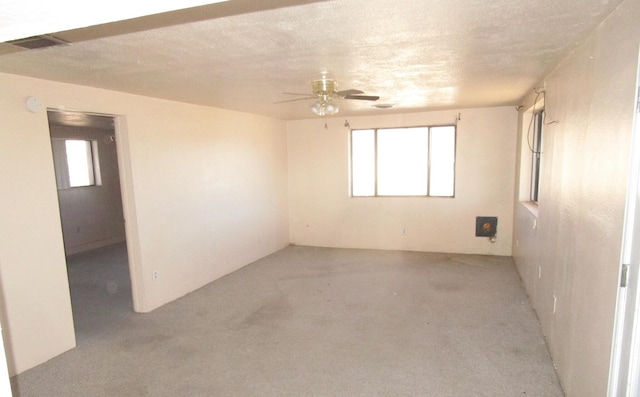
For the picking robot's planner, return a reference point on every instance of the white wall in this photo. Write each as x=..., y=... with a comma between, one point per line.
x=323, y=214
x=205, y=193
x=92, y=215
x=36, y=307
x=584, y=173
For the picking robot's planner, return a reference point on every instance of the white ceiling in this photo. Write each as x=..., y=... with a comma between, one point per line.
x=241, y=55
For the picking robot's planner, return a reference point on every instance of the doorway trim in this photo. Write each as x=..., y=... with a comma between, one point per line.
x=128, y=203
x=624, y=376
x=130, y=215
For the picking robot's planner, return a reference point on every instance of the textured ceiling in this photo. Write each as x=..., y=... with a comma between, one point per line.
x=417, y=55
x=29, y=18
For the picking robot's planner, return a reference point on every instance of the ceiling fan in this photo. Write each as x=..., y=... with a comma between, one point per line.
x=325, y=91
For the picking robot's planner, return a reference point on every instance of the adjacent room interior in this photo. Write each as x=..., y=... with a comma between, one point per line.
x=231, y=138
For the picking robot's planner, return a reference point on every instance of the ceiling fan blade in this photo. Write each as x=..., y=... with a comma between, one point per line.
x=346, y=93
x=297, y=99
x=363, y=97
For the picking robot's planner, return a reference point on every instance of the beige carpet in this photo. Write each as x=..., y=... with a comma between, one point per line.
x=307, y=322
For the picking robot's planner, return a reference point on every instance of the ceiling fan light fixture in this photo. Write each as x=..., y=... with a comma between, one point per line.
x=325, y=91
x=331, y=109
x=324, y=86
x=324, y=108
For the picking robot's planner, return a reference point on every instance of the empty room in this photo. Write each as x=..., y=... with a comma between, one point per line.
x=320, y=198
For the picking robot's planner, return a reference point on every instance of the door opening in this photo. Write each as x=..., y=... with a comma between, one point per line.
x=92, y=218
x=624, y=374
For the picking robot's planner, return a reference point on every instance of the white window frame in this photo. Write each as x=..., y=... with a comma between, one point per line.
x=427, y=170
x=61, y=163
x=537, y=136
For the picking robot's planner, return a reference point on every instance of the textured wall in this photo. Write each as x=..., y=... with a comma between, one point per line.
x=323, y=214
x=576, y=245
x=204, y=193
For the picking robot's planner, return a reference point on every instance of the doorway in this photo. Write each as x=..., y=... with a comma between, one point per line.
x=624, y=374
x=91, y=213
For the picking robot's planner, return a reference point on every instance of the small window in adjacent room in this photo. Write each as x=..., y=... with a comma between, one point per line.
x=536, y=150
x=75, y=162
x=416, y=161
x=80, y=162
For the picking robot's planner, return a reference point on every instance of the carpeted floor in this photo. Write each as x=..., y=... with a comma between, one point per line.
x=306, y=322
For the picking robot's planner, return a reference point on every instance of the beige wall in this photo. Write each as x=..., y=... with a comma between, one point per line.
x=323, y=214
x=205, y=193
x=92, y=215
x=585, y=164
x=36, y=308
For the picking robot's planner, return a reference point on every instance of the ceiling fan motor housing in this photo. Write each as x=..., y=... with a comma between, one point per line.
x=324, y=87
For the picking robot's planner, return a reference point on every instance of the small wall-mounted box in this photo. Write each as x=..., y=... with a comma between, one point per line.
x=486, y=226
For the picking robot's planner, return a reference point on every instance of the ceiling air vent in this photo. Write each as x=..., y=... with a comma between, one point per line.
x=35, y=42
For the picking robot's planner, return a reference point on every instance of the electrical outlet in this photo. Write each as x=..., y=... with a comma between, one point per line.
x=403, y=231
x=555, y=301
x=539, y=272
x=154, y=275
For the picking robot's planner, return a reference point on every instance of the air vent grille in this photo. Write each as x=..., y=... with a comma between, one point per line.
x=35, y=42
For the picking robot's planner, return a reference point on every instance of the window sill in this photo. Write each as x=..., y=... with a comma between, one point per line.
x=380, y=196
x=531, y=206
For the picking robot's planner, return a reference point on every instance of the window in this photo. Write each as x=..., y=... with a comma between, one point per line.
x=75, y=162
x=536, y=151
x=80, y=163
x=416, y=161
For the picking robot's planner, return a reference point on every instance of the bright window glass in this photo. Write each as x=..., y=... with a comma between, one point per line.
x=80, y=163
x=417, y=161
x=402, y=161
x=363, y=163
x=443, y=159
